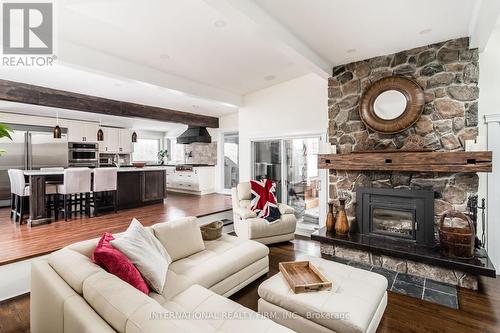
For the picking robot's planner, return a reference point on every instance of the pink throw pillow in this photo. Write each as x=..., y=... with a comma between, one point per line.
x=116, y=263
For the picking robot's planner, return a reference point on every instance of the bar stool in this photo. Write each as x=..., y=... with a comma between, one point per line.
x=13, y=196
x=20, y=191
x=75, y=191
x=51, y=204
x=104, y=189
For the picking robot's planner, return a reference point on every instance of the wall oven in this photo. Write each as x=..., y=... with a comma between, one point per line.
x=83, y=154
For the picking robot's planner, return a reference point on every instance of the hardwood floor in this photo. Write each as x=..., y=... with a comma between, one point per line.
x=19, y=242
x=479, y=311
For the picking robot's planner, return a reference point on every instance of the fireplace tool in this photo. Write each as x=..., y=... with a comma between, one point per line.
x=473, y=206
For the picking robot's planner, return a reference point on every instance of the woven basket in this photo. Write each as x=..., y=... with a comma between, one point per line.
x=457, y=242
x=212, y=231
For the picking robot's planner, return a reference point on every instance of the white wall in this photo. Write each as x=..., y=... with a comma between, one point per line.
x=295, y=107
x=489, y=104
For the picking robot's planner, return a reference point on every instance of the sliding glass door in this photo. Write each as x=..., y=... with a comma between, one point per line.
x=292, y=163
x=303, y=181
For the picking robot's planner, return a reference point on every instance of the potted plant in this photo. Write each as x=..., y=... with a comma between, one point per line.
x=161, y=156
x=4, y=133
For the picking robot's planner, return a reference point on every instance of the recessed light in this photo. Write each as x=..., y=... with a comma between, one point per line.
x=351, y=50
x=269, y=77
x=425, y=31
x=164, y=56
x=220, y=24
x=195, y=106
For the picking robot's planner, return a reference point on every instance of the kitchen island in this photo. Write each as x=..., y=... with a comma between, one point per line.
x=136, y=187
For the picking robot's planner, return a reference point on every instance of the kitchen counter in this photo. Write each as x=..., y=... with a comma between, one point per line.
x=136, y=187
x=122, y=169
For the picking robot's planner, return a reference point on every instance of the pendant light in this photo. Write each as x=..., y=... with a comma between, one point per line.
x=57, y=129
x=100, y=133
x=134, y=137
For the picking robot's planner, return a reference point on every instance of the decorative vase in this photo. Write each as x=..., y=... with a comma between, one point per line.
x=330, y=220
x=341, y=223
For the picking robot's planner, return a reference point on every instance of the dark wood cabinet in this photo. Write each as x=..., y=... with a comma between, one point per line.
x=137, y=188
x=153, y=185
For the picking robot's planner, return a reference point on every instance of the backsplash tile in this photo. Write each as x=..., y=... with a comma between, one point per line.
x=201, y=153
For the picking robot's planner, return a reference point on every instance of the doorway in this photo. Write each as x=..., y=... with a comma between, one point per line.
x=230, y=151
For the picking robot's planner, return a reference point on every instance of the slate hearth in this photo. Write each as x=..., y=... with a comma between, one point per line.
x=400, y=256
x=410, y=285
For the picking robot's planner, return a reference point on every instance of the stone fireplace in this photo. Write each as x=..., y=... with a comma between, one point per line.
x=448, y=72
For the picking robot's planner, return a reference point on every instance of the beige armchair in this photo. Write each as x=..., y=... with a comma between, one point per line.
x=248, y=225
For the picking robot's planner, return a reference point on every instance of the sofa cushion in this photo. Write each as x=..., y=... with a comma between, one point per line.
x=220, y=313
x=73, y=267
x=245, y=204
x=244, y=191
x=117, y=263
x=244, y=213
x=260, y=228
x=153, y=318
x=146, y=253
x=181, y=238
x=113, y=299
x=220, y=259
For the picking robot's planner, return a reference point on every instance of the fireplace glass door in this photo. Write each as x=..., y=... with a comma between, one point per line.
x=393, y=222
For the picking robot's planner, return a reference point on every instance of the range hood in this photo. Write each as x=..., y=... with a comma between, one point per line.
x=194, y=134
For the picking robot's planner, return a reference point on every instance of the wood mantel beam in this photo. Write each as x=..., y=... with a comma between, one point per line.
x=30, y=94
x=432, y=161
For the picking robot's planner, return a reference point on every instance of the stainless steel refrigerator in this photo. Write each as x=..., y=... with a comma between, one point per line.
x=31, y=148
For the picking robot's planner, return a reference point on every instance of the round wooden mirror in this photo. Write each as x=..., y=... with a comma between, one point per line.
x=392, y=104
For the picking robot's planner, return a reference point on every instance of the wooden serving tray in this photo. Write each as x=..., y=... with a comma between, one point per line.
x=302, y=276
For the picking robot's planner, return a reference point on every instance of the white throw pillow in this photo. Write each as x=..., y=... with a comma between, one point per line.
x=146, y=253
x=180, y=238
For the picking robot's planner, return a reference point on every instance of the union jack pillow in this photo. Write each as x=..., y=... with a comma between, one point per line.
x=264, y=201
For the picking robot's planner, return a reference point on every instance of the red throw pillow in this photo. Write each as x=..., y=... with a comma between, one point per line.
x=116, y=263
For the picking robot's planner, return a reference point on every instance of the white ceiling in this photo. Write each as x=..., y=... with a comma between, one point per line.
x=202, y=56
x=334, y=28
x=77, y=80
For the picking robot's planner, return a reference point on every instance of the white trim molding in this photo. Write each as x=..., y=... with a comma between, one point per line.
x=492, y=118
x=493, y=190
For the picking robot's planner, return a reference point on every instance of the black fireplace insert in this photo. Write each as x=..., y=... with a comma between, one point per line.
x=406, y=215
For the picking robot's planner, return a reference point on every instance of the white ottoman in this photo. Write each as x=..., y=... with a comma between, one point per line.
x=356, y=302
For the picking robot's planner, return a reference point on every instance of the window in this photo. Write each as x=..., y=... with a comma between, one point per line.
x=146, y=150
x=176, y=151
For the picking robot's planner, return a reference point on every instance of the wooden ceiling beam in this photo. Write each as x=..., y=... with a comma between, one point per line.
x=30, y=94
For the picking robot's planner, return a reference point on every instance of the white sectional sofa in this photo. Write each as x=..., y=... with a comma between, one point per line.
x=70, y=293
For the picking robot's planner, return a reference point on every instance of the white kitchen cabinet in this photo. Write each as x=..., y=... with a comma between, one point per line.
x=111, y=142
x=126, y=146
x=116, y=141
x=82, y=131
x=199, y=180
